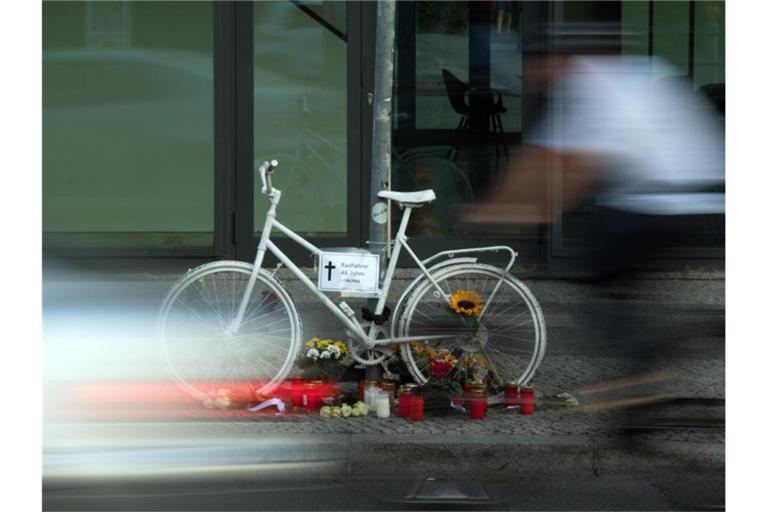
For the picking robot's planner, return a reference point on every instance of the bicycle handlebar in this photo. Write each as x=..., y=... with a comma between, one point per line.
x=265, y=170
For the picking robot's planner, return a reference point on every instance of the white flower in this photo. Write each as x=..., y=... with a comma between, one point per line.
x=360, y=409
x=325, y=355
x=335, y=351
x=346, y=410
x=313, y=353
x=325, y=412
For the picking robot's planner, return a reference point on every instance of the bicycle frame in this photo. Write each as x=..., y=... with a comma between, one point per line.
x=342, y=310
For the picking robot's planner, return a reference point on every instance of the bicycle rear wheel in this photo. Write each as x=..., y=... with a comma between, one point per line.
x=508, y=337
x=199, y=353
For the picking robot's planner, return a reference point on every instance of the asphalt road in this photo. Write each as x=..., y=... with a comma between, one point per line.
x=595, y=493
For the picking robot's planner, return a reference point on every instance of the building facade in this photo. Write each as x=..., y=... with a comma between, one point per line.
x=155, y=112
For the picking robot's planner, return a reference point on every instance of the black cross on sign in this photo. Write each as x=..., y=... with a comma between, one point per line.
x=330, y=266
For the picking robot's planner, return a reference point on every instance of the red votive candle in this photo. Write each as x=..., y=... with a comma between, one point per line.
x=314, y=394
x=417, y=408
x=476, y=398
x=405, y=393
x=511, y=397
x=361, y=390
x=404, y=407
x=297, y=393
x=476, y=408
x=527, y=405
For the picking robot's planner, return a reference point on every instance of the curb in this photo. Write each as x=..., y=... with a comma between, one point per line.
x=165, y=456
x=504, y=456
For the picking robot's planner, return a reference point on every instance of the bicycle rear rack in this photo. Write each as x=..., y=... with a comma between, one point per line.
x=450, y=254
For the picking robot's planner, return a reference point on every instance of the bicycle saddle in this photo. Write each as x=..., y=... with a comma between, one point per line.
x=410, y=199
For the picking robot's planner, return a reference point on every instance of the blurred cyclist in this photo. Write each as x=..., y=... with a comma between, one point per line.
x=644, y=153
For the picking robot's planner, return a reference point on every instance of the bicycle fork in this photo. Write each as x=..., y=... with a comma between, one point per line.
x=343, y=311
x=261, y=250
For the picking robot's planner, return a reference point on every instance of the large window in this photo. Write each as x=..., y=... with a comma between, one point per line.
x=300, y=111
x=127, y=124
x=443, y=43
x=458, y=108
x=687, y=41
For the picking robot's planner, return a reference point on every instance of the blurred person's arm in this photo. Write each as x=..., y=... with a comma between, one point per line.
x=521, y=193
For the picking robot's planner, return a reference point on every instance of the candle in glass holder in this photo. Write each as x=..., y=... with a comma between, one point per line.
x=404, y=406
x=511, y=392
x=476, y=398
x=382, y=405
x=527, y=405
x=298, y=398
x=417, y=408
x=314, y=394
x=370, y=396
x=388, y=387
x=476, y=408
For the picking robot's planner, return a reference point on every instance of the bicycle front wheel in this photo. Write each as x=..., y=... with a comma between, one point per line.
x=480, y=311
x=202, y=355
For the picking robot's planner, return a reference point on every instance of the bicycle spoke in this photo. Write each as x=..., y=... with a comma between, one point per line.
x=506, y=333
x=211, y=306
x=202, y=320
x=195, y=345
x=261, y=327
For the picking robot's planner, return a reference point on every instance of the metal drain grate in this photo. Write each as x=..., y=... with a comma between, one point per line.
x=437, y=491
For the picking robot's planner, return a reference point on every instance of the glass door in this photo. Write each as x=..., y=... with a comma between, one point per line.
x=460, y=111
x=306, y=115
x=690, y=37
x=128, y=127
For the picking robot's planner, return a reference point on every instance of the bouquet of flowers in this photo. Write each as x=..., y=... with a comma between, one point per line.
x=448, y=370
x=324, y=359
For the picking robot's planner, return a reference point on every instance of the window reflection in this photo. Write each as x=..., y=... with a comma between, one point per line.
x=300, y=105
x=458, y=103
x=127, y=124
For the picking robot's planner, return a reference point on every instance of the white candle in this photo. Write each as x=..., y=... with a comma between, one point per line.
x=382, y=405
x=371, y=394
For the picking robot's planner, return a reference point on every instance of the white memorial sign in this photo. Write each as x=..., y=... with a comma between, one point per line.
x=348, y=271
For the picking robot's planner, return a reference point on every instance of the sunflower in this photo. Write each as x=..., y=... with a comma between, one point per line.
x=467, y=302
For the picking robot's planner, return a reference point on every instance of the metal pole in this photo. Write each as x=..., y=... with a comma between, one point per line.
x=381, y=153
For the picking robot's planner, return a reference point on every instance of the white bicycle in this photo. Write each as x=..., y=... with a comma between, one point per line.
x=234, y=321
